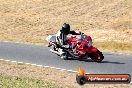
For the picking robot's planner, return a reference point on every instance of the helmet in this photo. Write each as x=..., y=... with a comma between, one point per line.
x=66, y=28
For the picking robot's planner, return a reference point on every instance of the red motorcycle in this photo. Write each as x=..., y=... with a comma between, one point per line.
x=82, y=48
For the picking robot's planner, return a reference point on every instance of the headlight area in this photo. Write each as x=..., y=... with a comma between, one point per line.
x=90, y=43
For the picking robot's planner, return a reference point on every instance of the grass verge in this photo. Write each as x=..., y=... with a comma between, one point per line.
x=24, y=82
x=18, y=75
x=114, y=46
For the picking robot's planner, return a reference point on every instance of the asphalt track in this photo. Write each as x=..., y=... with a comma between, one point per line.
x=112, y=63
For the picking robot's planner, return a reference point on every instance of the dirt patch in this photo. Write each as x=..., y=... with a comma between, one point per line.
x=62, y=78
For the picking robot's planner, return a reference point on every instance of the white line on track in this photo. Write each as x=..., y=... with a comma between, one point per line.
x=34, y=64
x=7, y=60
x=43, y=66
x=27, y=63
x=20, y=62
x=1, y=59
x=46, y=66
x=39, y=65
x=14, y=61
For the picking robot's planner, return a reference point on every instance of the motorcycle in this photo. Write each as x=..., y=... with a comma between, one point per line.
x=80, y=48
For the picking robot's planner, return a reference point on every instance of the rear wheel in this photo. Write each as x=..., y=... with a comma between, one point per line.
x=96, y=56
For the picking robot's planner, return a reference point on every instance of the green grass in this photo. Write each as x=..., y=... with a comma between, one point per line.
x=22, y=82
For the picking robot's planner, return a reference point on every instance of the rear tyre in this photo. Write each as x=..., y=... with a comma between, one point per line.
x=96, y=56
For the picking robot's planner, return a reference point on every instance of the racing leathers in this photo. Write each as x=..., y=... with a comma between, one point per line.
x=61, y=37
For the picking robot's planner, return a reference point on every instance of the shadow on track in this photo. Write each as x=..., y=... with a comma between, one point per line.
x=112, y=62
x=89, y=60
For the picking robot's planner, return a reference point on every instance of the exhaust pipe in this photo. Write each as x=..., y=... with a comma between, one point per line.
x=55, y=52
x=77, y=57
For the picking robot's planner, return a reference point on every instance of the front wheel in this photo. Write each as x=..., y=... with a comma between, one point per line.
x=96, y=56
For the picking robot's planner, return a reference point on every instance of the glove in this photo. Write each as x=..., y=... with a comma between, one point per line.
x=82, y=33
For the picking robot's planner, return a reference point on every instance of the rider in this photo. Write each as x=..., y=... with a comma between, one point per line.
x=63, y=32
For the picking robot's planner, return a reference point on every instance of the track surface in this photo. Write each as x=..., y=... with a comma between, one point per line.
x=113, y=63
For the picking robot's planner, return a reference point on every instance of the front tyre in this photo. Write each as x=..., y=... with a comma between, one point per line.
x=96, y=56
